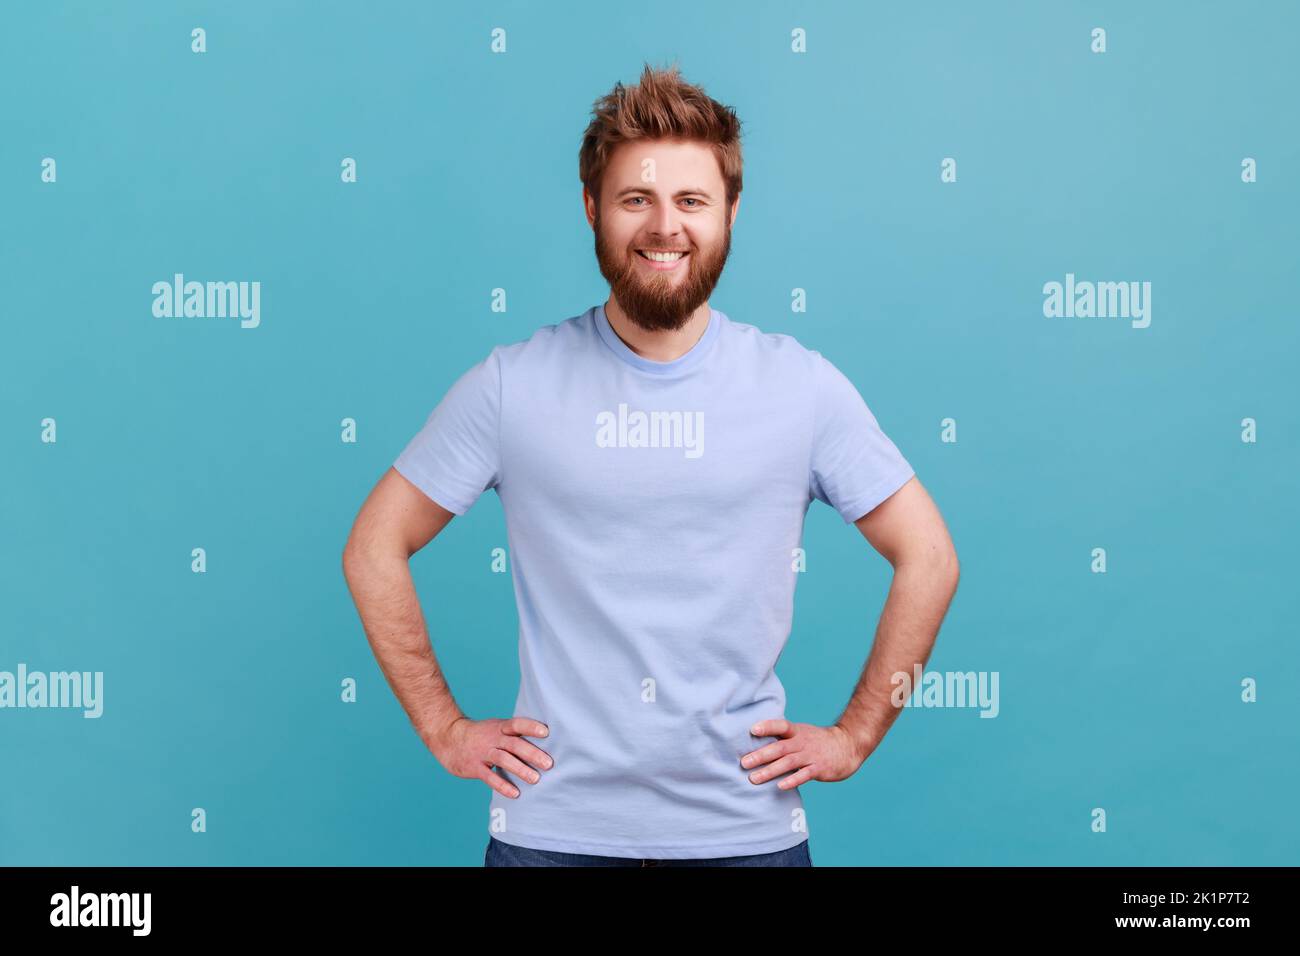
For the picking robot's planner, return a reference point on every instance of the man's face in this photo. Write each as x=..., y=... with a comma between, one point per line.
x=662, y=196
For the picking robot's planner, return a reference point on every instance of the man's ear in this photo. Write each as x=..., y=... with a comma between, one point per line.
x=589, y=207
x=735, y=208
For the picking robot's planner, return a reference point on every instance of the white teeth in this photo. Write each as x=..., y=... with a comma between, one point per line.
x=661, y=256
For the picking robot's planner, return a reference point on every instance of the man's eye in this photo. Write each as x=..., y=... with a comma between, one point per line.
x=688, y=199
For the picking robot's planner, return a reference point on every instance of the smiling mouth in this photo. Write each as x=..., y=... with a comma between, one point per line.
x=665, y=255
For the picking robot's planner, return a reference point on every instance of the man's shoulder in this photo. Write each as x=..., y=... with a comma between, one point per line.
x=546, y=341
x=756, y=344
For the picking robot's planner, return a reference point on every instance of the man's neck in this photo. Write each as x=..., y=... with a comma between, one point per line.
x=660, y=346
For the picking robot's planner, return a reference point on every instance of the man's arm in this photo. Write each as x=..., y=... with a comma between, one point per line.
x=396, y=521
x=908, y=531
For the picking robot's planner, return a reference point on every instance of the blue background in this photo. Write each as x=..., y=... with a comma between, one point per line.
x=222, y=690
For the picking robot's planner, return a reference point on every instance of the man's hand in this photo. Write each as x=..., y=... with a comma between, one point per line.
x=814, y=753
x=471, y=748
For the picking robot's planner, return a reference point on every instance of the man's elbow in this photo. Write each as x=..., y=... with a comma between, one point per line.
x=937, y=559
x=370, y=547
x=356, y=556
x=350, y=557
x=950, y=567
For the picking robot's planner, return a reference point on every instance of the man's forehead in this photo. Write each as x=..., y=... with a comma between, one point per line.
x=673, y=163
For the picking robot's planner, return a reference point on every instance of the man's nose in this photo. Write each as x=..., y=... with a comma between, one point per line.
x=663, y=223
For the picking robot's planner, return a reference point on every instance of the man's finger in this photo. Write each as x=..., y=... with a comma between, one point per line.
x=771, y=728
x=802, y=776
x=504, y=759
x=524, y=725
x=526, y=751
x=499, y=784
x=785, y=764
x=764, y=754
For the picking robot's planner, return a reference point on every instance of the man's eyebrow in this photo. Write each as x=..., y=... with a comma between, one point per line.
x=689, y=191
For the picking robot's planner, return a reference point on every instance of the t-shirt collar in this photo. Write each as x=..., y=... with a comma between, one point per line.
x=682, y=363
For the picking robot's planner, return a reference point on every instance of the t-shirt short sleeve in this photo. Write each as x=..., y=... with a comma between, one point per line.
x=854, y=465
x=455, y=456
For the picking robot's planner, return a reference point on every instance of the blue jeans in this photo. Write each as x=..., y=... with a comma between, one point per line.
x=507, y=854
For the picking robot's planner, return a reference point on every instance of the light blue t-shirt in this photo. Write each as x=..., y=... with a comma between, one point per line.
x=652, y=512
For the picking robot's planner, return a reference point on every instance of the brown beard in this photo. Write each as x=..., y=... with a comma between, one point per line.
x=660, y=303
